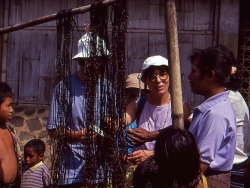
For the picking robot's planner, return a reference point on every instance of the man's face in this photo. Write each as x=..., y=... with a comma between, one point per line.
x=81, y=63
x=6, y=110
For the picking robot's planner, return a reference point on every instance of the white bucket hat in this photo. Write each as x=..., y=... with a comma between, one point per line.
x=153, y=61
x=83, y=47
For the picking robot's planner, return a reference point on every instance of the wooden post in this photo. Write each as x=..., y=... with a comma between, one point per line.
x=49, y=18
x=4, y=52
x=174, y=64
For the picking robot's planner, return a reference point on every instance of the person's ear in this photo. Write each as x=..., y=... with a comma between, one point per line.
x=143, y=79
x=211, y=76
x=41, y=156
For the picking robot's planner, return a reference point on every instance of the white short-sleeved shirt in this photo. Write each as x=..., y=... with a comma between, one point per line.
x=243, y=127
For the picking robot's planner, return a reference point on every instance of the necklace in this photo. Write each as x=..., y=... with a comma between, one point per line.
x=150, y=127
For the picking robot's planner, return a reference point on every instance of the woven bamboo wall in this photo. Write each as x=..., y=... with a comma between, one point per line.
x=244, y=60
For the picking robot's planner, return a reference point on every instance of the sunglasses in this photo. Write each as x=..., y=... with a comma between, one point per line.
x=153, y=77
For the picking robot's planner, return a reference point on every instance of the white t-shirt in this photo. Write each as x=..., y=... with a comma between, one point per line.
x=243, y=127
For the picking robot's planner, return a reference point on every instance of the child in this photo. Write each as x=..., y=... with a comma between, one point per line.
x=176, y=162
x=9, y=150
x=36, y=173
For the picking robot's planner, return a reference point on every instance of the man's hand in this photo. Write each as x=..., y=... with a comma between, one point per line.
x=139, y=136
x=75, y=136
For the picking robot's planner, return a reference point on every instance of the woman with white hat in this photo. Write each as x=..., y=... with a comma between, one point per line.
x=156, y=113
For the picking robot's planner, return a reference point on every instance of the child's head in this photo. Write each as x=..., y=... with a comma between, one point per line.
x=33, y=152
x=5, y=92
x=5, y=102
x=133, y=86
x=178, y=157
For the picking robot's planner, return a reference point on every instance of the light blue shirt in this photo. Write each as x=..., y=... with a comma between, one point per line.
x=130, y=148
x=72, y=164
x=214, y=129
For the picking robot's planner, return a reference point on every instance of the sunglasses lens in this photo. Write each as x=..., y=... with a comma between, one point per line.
x=163, y=76
x=152, y=78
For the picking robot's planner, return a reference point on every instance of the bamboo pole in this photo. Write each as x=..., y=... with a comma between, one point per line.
x=49, y=18
x=174, y=64
x=4, y=44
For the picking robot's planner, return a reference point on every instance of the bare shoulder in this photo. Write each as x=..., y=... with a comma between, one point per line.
x=131, y=112
x=5, y=138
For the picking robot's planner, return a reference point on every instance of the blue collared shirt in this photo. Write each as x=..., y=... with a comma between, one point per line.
x=214, y=129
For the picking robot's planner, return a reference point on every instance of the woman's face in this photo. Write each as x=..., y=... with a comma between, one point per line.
x=198, y=82
x=157, y=81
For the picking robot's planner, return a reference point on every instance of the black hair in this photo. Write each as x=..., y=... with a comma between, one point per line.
x=219, y=59
x=5, y=91
x=37, y=145
x=177, y=157
x=235, y=81
x=150, y=70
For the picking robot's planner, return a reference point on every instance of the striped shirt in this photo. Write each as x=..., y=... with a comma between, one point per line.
x=37, y=176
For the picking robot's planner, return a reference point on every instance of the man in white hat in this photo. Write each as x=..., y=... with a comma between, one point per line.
x=72, y=174
x=84, y=47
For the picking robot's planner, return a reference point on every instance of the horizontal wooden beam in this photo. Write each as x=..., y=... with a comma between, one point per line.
x=49, y=18
x=160, y=31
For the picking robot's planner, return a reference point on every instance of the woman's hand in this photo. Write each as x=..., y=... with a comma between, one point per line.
x=139, y=156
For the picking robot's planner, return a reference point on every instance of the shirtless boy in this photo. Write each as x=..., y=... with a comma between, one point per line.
x=8, y=159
